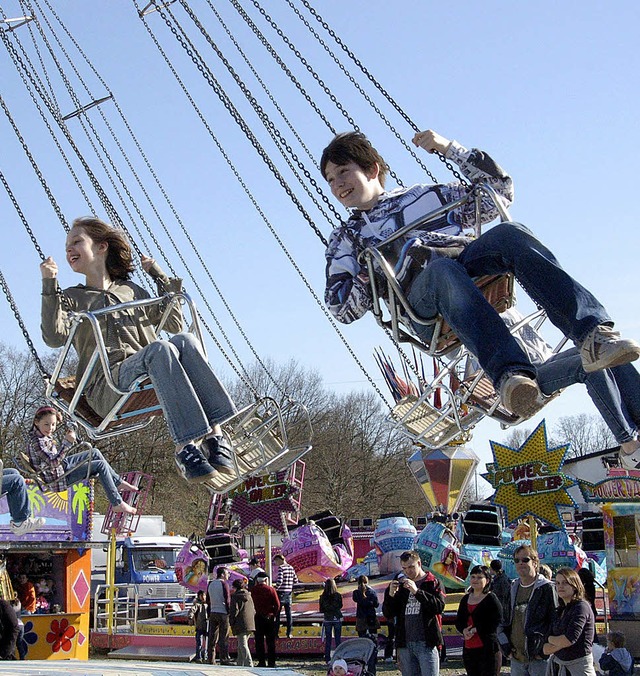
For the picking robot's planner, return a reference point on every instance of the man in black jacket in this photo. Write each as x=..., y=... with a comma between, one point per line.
x=417, y=602
x=532, y=610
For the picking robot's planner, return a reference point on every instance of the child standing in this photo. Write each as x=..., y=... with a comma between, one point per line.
x=198, y=616
x=60, y=471
x=617, y=660
x=193, y=400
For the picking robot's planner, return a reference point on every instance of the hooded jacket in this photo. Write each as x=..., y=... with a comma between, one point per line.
x=242, y=613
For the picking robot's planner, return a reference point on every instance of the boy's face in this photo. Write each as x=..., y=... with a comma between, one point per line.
x=339, y=671
x=352, y=186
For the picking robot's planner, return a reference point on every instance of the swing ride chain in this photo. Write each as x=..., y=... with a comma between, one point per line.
x=270, y=96
x=211, y=81
x=364, y=94
x=39, y=174
x=268, y=123
x=333, y=98
x=380, y=88
x=25, y=333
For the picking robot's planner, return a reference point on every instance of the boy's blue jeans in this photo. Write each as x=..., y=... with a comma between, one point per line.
x=446, y=287
x=615, y=392
x=191, y=396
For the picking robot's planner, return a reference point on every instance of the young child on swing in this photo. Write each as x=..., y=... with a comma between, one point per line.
x=437, y=263
x=193, y=400
x=60, y=470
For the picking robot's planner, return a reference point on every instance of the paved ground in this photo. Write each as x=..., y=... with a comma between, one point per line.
x=113, y=668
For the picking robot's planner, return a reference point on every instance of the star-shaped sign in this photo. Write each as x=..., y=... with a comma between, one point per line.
x=264, y=500
x=528, y=480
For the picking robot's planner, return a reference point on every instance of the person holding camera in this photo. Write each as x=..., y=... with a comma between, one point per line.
x=415, y=599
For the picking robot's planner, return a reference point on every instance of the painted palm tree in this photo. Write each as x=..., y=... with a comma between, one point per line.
x=37, y=500
x=81, y=500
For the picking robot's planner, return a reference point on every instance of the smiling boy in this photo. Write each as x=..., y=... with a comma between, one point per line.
x=438, y=263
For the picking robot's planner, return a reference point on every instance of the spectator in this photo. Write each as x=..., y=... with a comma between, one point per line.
x=571, y=639
x=267, y=605
x=331, y=609
x=501, y=586
x=417, y=602
x=8, y=630
x=478, y=619
x=616, y=660
x=284, y=586
x=242, y=619
x=218, y=600
x=589, y=583
x=198, y=618
x=366, y=601
x=546, y=571
x=254, y=569
x=27, y=594
x=532, y=610
x=21, y=644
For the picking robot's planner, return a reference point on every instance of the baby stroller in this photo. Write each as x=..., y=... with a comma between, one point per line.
x=358, y=653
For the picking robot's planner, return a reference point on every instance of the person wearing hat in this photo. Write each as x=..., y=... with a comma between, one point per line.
x=341, y=668
x=267, y=605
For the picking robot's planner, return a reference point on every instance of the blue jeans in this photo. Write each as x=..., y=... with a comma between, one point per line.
x=331, y=627
x=17, y=498
x=77, y=463
x=21, y=644
x=533, y=668
x=446, y=287
x=201, y=644
x=615, y=392
x=418, y=659
x=285, y=604
x=190, y=394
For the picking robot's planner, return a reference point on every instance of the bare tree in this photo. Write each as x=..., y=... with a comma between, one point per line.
x=586, y=433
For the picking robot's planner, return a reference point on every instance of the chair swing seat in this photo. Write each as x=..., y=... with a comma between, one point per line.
x=136, y=406
x=262, y=441
x=122, y=522
x=28, y=471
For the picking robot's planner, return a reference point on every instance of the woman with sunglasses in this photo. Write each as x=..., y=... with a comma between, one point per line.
x=571, y=640
x=479, y=615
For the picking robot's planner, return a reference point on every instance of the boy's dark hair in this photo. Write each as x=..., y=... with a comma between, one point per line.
x=353, y=146
x=617, y=638
x=496, y=565
x=254, y=562
x=200, y=593
x=220, y=572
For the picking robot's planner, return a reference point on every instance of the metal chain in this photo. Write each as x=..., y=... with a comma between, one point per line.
x=378, y=86
x=277, y=137
x=360, y=89
x=256, y=205
x=21, y=324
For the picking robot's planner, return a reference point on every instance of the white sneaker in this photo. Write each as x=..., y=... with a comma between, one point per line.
x=30, y=524
x=521, y=395
x=603, y=348
x=631, y=460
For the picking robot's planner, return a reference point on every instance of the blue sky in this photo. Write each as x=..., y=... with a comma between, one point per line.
x=549, y=89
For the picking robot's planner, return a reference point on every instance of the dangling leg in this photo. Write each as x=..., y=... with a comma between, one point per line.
x=98, y=466
x=183, y=412
x=510, y=247
x=14, y=487
x=444, y=287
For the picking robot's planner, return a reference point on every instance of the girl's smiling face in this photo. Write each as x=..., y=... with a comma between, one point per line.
x=82, y=252
x=47, y=424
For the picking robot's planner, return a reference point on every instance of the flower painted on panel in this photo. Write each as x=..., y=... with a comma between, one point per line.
x=60, y=635
x=30, y=636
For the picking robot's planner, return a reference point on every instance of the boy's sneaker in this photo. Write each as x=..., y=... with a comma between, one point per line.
x=31, y=523
x=193, y=466
x=630, y=460
x=603, y=348
x=219, y=452
x=521, y=395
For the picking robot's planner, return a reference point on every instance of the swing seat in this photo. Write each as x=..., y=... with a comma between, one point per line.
x=28, y=471
x=265, y=439
x=390, y=305
x=123, y=523
x=136, y=406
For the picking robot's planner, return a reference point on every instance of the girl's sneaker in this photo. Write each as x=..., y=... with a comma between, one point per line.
x=31, y=523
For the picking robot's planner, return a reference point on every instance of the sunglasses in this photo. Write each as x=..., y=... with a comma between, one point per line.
x=524, y=559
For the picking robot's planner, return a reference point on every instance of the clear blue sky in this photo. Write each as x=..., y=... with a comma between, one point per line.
x=549, y=89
